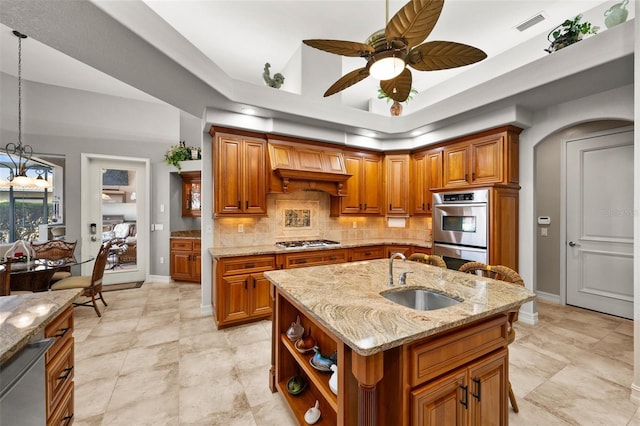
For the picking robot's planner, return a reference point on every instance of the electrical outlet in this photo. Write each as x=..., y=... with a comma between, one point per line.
x=241, y=227
x=161, y=259
x=354, y=224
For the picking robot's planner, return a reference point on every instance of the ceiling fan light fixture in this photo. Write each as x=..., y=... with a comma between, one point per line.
x=386, y=65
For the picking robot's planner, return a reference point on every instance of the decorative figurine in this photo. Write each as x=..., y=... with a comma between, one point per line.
x=276, y=81
x=313, y=414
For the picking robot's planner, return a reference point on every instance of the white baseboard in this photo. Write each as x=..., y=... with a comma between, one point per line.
x=530, y=318
x=159, y=279
x=206, y=310
x=548, y=297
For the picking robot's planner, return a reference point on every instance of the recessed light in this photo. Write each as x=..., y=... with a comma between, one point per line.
x=369, y=133
x=248, y=111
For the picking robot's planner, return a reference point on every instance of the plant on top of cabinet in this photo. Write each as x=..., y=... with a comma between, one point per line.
x=181, y=152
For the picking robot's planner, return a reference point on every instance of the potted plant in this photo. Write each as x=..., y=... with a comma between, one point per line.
x=181, y=152
x=569, y=32
x=396, y=107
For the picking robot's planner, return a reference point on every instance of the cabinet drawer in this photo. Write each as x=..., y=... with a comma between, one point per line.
x=248, y=264
x=197, y=245
x=59, y=374
x=438, y=356
x=324, y=257
x=366, y=253
x=182, y=245
x=62, y=329
x=63, y=414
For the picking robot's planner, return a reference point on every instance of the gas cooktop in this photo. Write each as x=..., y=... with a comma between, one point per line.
x=306, y=243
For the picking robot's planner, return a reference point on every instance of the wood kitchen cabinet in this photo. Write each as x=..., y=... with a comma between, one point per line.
x=312, y=258
x=242, y=293
x=240, y=174
x=466, y=396
x=485, y=159
x=363, y=189
x=366, y=253
x=396, y=173
x=59, y=370
x=426, y=175
x=191, y=194
x=186, y=260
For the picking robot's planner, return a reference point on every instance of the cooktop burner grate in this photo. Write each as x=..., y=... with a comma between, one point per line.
x=307, y=243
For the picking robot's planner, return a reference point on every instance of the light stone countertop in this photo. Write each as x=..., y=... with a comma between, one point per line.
x=190, y=234
x=220, y=252
x=25, y=316
x=345, y=298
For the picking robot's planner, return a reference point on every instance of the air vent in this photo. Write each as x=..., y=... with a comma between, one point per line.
x=531, y=22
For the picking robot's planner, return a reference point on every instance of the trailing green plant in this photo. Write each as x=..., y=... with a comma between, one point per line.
x=569, y=32
x=179, y=153
x=383, y=95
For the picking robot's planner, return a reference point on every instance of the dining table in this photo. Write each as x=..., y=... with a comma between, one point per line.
x=35, y=275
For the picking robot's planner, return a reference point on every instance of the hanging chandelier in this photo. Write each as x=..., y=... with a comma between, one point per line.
x=19, y=154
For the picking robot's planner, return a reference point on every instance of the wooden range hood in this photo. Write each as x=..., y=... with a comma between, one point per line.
x=300, y=166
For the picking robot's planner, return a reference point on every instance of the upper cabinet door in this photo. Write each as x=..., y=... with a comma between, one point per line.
x=240, y=184
x=455, y=166
x=371, y=185
x=397, y=188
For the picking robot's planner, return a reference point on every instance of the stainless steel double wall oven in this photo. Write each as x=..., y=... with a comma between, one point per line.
x=460, y=227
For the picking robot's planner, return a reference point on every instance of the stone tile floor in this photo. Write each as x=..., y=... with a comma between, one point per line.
x=153, y=359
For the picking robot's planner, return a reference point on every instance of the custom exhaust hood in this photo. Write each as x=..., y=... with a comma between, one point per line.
x=301, y=166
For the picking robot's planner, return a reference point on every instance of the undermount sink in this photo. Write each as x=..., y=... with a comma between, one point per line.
x=420, y=299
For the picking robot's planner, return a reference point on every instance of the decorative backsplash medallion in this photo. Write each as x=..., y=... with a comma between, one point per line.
x=297, y=218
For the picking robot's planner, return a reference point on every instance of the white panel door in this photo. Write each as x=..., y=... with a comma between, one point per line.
x=600, y=223
x=99, y=202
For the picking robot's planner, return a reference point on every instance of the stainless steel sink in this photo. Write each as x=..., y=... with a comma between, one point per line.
x=420, y=299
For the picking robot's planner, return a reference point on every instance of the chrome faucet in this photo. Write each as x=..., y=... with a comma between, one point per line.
x=393, y=256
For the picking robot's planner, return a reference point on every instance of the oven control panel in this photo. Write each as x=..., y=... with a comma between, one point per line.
x=467, y=196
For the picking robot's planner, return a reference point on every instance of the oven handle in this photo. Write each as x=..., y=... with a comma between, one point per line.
x=463, y=248
x=456, y=205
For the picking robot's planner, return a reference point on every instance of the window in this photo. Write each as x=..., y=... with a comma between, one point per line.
x=24, y=208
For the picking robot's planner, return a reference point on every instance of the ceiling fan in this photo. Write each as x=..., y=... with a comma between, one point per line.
x=388, y=52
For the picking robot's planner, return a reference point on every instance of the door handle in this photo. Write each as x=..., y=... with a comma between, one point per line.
x=572, y=244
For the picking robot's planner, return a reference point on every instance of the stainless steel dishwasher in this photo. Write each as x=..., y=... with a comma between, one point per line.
x=22, y=386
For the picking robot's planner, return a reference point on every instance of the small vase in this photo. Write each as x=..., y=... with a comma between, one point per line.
x=396, y=109
x=616, y=14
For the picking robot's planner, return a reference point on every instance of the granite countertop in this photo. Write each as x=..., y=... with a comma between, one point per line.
x=195, y=234
x=25, y=316
x=220, y=252
x=345, y=298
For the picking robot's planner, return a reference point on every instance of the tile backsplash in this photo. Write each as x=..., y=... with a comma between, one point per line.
x=248, y=231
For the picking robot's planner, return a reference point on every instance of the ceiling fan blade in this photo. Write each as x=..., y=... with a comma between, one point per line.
x=347, y=80
x=339, y=47
x=398, y=88
x=442, y=55
x=414, y=21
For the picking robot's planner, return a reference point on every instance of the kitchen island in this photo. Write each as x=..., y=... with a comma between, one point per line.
x=396, y=365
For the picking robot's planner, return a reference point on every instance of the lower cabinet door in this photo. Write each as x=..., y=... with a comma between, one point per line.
x=260, y=296
x=488, y=387
x=181, y=266
x=234, y=298
x=444, y=402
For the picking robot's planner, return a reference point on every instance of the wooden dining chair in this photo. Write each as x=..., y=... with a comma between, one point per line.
x=91, y=285
x=429, y=259
x=5, y=279
x=56, y=250
x=502, y=273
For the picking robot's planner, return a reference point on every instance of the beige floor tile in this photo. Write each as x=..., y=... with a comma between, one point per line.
x=161, y=410
x=109, y=328
x=272, y=413
x=532, y=415
x=197, y=326
x=91, y=398
x=256, y=385
x=159, y=320
x=99, y=367
x=169, y=332
x=145, y=384
x=200, y=368
x=150, y=357
x=246, y=334
x=93, y=346
x=578, y=397
x=206, y=401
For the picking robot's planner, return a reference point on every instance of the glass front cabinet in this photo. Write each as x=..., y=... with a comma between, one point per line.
x=191, y=201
